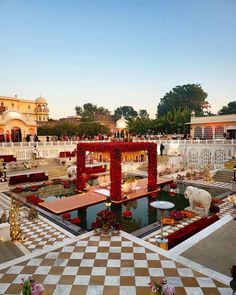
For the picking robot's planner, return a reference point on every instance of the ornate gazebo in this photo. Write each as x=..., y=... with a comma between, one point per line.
x=115, y=150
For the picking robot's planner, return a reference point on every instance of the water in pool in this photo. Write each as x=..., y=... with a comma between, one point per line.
x=143, y=213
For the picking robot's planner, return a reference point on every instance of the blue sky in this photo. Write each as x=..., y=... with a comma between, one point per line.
x=116, y=52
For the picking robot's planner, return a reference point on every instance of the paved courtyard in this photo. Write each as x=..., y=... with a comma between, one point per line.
x=98, y=264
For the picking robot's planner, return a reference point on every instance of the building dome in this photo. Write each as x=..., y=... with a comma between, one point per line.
x=40, y=100
x=121, y=123
x=12, y=115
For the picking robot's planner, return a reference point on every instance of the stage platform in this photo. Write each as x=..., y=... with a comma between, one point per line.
x=91, y=198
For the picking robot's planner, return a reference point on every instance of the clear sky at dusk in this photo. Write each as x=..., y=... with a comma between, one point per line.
x=116, y=52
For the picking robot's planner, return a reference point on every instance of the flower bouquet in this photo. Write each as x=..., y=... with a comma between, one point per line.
x=127, y=215
x=66, y=216
x=161, y=288
x=76, y=221
x=176, y=214
x=105, y=220
x=30, y=288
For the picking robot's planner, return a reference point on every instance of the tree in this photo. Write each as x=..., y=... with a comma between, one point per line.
x=143, y=114
x=140, y=126
x=92, y=129
x=229, y=109
x=189, y=96
x=174, y=121
x=89, y=111
x=126, y=111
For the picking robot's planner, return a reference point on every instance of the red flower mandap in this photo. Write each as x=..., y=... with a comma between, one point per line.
x=115, y=149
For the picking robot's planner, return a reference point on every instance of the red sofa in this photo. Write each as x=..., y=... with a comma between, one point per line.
x=188, y=231
x=33, y=177
x=8, y=158
x=95, y=169
x=67, y=154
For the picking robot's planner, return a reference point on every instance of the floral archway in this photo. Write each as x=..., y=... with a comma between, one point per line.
x=115, y=149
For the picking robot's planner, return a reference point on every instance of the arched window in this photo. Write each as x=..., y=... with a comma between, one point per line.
x=219, y=131
x=198, y=132
x=193, y=156
x=205, y=156
x=208, y=132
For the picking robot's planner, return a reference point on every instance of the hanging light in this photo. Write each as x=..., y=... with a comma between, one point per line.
x=234, y=173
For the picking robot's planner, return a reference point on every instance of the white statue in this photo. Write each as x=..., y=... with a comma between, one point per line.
x=197, y=195
x=71, y=171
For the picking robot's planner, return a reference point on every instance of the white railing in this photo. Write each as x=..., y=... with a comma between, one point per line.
x=164, y=141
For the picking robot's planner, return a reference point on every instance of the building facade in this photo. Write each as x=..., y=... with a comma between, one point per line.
x=20, y=117
x=213, y=127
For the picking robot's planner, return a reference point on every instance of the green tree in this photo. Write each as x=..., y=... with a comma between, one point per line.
x=92, y=129
x=143, y=114
x=189, y=96
x=89, y=111
x=174, y=121
x=127, y=111
x=229, y=109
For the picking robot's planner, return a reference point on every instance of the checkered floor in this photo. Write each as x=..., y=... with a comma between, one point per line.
x=112, y=264
x=227, y=208
x=39, y=234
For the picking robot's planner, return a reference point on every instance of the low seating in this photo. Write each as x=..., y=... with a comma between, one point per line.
x=8, y=158
x=188, y=231
x=33, y=177
x=67, y=154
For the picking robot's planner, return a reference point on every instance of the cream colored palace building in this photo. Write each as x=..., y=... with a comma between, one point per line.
x=210, y=127
x=20, y=117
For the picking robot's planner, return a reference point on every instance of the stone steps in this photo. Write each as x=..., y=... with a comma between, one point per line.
x=223, y=176
x=9, y=251
x=229, y=165
x=55, y=169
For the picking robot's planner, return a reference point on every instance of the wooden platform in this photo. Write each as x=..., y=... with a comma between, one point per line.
x=91, y=198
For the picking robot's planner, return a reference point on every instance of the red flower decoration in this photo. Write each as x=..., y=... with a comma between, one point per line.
x=173, y=185
x=172, y=194
x=76, y=220
x=34, y=200
x=104, y=217
x=17, y=189
x=127, y=214
x=177, y=215
x=66, y=185
x=66, y=216
x=116, y=149
x=34, y=188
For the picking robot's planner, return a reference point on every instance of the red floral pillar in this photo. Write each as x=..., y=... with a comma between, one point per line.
x=80, y=168
x=152, y=167
x=115, y=174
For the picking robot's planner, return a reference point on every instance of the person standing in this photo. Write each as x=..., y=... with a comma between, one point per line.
x=162, y=147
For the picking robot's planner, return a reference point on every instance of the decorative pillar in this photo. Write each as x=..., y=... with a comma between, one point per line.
x=152, y=167
x=115, y=174
x=80, y=168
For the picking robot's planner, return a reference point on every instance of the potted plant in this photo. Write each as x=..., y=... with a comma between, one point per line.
x=105, y=220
